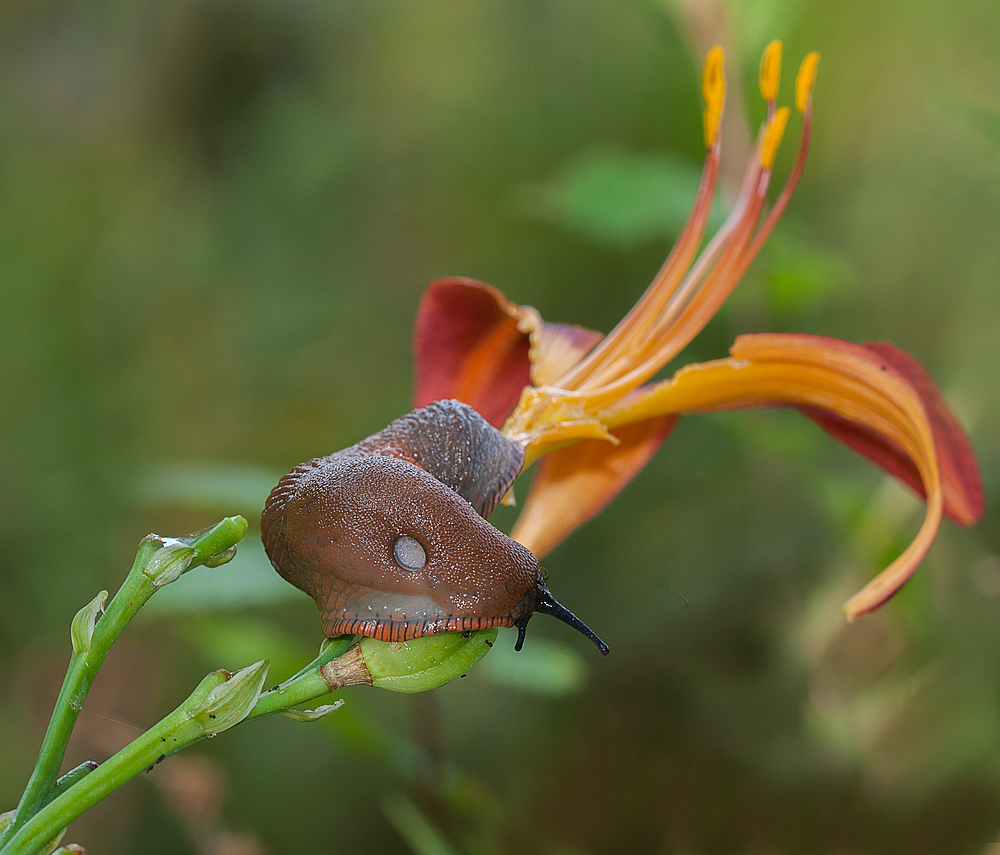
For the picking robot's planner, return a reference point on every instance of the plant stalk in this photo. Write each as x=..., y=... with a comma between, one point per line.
x=91, y=646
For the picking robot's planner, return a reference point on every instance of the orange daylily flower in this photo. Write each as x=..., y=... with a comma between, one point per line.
x=581, y=405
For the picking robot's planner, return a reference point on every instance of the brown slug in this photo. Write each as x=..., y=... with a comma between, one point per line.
x=390, y=537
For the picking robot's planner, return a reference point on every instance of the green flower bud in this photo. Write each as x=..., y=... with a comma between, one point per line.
x=70, y=779
x=169, y=562
x=221, y=558
x=210, y=547
x=424, y=663
x=82, y=629
x=217, y=544
x=315, y=714
x=223, y=700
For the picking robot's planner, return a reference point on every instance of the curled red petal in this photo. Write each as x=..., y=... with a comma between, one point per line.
x=964, y=498
x=877, y=448
x=471, y=343
x=467, y=345
x=878, y=397
x=961, y=485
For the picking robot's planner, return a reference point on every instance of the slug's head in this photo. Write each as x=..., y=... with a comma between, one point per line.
x=388, y=551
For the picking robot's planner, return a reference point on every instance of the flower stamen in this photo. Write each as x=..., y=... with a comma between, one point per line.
x=713, y=90
x=770, y=75
x=690, y=287
x=772, y=139
x=804, y=81
x=622, y=343
x=683, y=313
x=803, y=96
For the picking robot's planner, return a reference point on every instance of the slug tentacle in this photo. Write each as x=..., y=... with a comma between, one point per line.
x=549, y=605
x=389, y=536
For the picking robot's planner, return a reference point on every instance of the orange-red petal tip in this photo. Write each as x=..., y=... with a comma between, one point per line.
x=467, y=345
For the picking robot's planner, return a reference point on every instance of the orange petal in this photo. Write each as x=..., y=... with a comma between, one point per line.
x=859, y=386
x=555, y=348
x=471, y=343
x=574, y=484
x=964, y=499
x=467, y=345
x=960, y=482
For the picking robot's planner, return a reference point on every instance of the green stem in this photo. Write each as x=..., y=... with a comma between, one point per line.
x=178, y=730
x=185, y=726
x=83, y=668
x=86, y=661
x=221, y=701
x=305, y=686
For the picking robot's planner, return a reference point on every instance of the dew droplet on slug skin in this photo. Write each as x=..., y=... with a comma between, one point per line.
x=409, y=553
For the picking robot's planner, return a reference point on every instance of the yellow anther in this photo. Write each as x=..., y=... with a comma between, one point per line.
x=713, y=90
x=805, y=80
x=770, y=71
x=772, y=137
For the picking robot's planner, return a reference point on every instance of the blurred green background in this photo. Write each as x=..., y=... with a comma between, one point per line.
x=216, y=220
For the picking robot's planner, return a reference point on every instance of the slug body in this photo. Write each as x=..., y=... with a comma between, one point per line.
x=390, y=535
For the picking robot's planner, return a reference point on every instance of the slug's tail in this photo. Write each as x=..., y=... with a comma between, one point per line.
x=547, y=604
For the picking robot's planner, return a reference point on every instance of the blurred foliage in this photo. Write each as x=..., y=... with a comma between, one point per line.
x=216, y=220
x=621, y=199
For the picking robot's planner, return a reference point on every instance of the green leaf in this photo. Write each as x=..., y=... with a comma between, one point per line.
x=225, y=639
x=541, y=666
x=213, y=487
x=801, y=273
x=618, y=198
x=983, y=119
x=418, y=831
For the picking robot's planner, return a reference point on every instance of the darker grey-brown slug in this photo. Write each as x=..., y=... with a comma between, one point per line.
x=390, y=535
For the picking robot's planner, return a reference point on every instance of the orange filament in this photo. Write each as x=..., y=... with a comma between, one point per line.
x=691, y=286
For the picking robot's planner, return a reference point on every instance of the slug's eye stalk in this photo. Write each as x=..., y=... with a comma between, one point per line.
x=548, y=605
